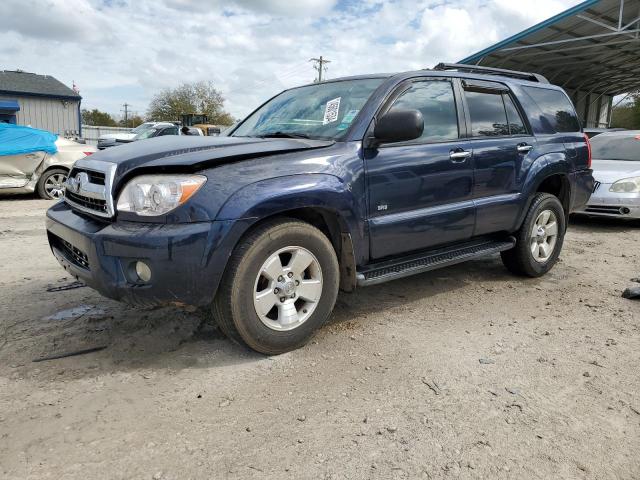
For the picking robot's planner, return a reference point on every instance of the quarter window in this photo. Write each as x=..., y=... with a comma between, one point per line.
x=558, y=112
x=436, y=101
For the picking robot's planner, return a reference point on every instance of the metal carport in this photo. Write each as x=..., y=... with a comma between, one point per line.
x=592, y=50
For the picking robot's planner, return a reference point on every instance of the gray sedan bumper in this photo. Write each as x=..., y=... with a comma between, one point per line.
x=609, y=204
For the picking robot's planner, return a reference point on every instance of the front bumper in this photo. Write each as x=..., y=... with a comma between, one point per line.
x=186, y=260
x=604, y=203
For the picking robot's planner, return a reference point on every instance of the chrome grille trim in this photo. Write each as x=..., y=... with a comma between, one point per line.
x=95, y=193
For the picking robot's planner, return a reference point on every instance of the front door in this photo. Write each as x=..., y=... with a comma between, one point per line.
x=421, y=192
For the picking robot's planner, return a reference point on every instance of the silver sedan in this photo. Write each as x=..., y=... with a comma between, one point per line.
x=616, y=171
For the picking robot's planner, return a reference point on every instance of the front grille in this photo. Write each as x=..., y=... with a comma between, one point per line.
x=609, y=209
x=94, y=177
x=71, y=253
x=94, y=204
x=596, y=186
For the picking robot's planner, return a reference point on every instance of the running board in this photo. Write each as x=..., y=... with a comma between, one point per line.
x=403, y=267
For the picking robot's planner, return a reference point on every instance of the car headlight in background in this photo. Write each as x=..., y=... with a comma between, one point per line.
x=626, y=185
x=150, y=195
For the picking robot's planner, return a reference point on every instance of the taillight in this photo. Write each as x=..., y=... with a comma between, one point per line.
x=586, y=139
x=87, y=153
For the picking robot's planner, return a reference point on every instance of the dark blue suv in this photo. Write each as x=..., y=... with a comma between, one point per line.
x=329, y=186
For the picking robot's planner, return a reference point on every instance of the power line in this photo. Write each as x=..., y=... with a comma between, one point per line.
x=319, y=65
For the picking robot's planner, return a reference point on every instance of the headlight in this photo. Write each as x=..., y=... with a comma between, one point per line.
x=626, y=185
x=151, y=195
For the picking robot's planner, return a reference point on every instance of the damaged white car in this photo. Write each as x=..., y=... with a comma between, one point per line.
x=33, y=160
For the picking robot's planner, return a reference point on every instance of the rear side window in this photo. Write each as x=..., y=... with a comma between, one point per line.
x=488, y=116
x=558, y=112
x=493, y=114
x=436, y=102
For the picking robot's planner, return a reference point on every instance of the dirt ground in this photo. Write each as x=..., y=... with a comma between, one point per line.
x=466, y=372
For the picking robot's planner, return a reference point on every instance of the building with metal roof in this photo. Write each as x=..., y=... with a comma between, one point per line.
x=40, y=101
x=591, y=50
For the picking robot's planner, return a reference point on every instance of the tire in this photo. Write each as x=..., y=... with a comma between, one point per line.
x=537, y=249
x=265, y=269
x=50, y=181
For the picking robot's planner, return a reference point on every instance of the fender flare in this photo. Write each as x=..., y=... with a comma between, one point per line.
x=543, y=167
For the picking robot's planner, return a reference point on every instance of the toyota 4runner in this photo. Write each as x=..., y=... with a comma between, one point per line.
x=345, y=183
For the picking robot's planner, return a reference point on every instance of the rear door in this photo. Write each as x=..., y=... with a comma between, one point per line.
x=420, y=192
x=501, y=142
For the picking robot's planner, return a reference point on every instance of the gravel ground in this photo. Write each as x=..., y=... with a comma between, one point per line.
x=466, y=372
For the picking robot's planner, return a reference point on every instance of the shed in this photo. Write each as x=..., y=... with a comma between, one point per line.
x=591, y=50
x=40, y=101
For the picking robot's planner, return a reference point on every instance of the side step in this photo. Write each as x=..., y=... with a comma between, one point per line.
x=405, y=266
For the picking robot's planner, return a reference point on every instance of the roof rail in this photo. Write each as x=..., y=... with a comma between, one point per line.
x=461, y=67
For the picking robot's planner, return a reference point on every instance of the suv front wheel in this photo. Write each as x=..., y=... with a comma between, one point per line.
x=540, y=238
x=280, y=285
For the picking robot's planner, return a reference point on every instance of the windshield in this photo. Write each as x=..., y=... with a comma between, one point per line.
x=616, y=147
x=141, y=128
x=145, y=134
x=324, y=110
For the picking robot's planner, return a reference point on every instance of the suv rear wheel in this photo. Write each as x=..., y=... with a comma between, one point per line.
x=280, y=285
x=540, y=238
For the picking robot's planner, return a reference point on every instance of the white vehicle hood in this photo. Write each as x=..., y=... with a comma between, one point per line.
x=610, y=171
x=117, y=136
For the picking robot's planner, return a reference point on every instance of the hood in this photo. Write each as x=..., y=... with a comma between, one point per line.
x=194, y=153
x=117, y=136
x=610, y=171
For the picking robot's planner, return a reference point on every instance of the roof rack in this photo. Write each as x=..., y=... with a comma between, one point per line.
x=533, y=77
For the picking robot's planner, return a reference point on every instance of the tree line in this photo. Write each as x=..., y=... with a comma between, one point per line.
x=169, y=105
x=627, y=115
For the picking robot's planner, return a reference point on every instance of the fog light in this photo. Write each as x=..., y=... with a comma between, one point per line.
x=143, y=271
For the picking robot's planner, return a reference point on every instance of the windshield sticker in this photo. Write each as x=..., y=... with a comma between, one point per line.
x=347, y=119
x=331, y=111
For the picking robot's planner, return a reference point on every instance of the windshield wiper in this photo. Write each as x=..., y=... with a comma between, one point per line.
x=283, y=135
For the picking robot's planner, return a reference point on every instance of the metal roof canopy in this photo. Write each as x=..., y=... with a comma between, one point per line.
x=592, y=50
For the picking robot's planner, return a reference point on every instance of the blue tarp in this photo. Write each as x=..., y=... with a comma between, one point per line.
x=15, y=139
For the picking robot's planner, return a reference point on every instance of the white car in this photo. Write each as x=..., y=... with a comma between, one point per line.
x=112, y=139
x=616, y=171
x=40, y=171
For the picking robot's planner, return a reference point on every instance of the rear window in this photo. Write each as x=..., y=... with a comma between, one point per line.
x=557, y=110
x=616, y=147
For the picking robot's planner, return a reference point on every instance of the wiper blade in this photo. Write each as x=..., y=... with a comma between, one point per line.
x=283, y=135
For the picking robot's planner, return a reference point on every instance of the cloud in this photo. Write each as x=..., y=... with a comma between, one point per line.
x=61, y=20
x=119, y=50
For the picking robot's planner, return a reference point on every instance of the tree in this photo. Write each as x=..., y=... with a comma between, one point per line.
x=627, y=115
x=97, y=118
x=199, y=97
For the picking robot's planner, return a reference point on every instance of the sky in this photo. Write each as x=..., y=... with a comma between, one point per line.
x=119, y=51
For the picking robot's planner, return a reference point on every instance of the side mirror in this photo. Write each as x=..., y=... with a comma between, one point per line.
x=399, y=125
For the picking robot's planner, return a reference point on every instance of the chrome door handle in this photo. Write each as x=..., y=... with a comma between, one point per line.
x=459, y=156
x=524, y=148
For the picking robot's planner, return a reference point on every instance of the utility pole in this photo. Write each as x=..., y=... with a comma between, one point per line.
x=319, y=65
x=126, y=114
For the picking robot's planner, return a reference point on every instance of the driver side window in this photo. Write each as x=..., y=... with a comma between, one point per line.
x=436, y=101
